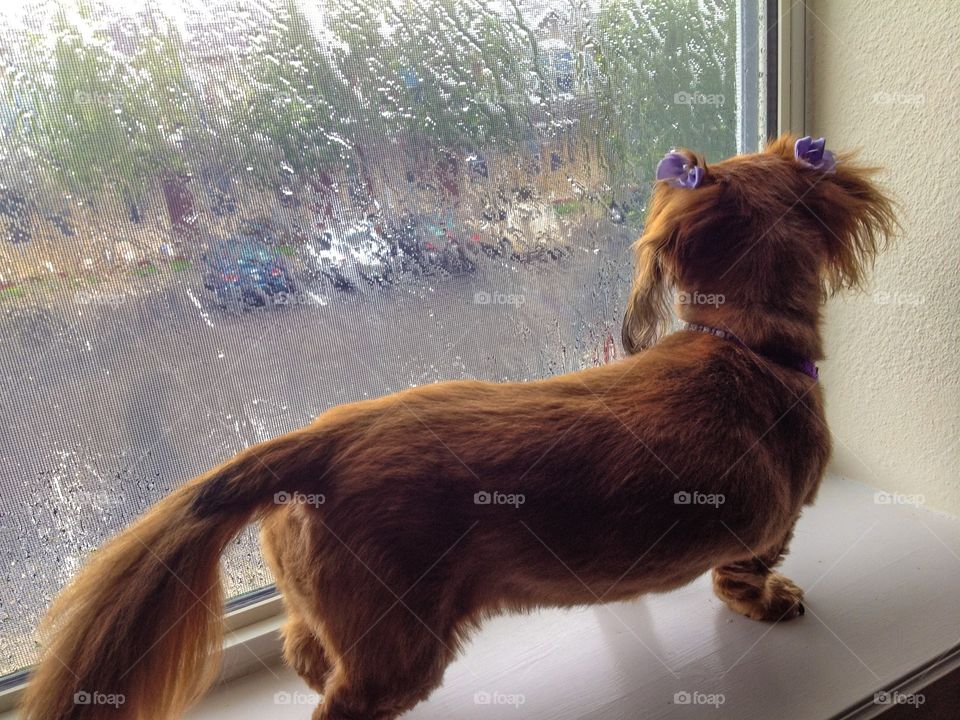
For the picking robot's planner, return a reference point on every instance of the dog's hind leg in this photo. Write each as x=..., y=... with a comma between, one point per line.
x=751, y=587
x=304, y=653
x=302, y=647
x=393, y=665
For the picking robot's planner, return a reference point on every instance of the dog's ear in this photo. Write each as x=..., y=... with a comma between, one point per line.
x=857, y=219
x=684, y=209
x=648, y=308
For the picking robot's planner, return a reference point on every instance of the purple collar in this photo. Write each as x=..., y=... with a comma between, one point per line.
x=787, y=359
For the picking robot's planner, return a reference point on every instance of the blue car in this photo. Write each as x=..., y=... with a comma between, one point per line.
x=244, y=271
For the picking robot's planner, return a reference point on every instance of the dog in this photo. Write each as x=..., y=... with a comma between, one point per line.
x=395, y=526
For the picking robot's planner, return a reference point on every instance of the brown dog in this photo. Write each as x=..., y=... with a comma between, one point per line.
x=394, y=526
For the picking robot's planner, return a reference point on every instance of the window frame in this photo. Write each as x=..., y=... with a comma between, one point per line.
x=253, y=620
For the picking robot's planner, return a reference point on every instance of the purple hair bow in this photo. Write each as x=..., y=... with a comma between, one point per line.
x=676, y=170
x=811, y=152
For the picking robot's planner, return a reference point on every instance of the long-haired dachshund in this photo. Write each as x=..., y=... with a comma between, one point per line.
x=394, y=526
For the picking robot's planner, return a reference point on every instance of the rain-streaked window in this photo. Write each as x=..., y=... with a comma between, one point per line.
x=219, y=219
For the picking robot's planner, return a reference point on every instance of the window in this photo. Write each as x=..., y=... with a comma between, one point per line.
x=218, y=220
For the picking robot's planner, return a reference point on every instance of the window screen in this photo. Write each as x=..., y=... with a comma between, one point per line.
x=219, y=219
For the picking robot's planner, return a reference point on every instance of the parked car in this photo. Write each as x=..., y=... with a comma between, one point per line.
x=325, y=256
x=433, y=240
x=402, y=241
x=242, y=270
x=370, y=253
x=534, y=231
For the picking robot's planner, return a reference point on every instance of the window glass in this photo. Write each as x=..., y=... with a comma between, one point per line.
x=219, y=219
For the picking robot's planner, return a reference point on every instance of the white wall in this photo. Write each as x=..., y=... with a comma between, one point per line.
x=884, y=75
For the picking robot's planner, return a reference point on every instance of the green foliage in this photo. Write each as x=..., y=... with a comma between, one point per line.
x=667, y=79
x=568, y=208
x=11, y=292
x=112, y=124
x=448, y=71
x=293, y=109
x=109, y=121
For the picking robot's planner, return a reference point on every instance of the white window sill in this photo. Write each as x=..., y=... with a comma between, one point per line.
x=883, y=598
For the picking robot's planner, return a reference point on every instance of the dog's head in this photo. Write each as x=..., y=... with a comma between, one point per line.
x=778, y=229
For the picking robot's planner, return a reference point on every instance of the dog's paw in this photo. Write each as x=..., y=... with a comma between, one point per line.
x=780, y=599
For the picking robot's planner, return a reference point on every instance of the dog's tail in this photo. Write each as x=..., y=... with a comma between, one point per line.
x=136, y=634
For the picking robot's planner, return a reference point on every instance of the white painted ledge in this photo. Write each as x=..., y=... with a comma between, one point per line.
x=883, y=600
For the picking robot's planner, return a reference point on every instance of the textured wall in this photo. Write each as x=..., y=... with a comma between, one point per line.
x=884, y=77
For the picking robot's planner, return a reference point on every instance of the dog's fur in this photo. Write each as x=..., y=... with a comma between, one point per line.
x=383, y=580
